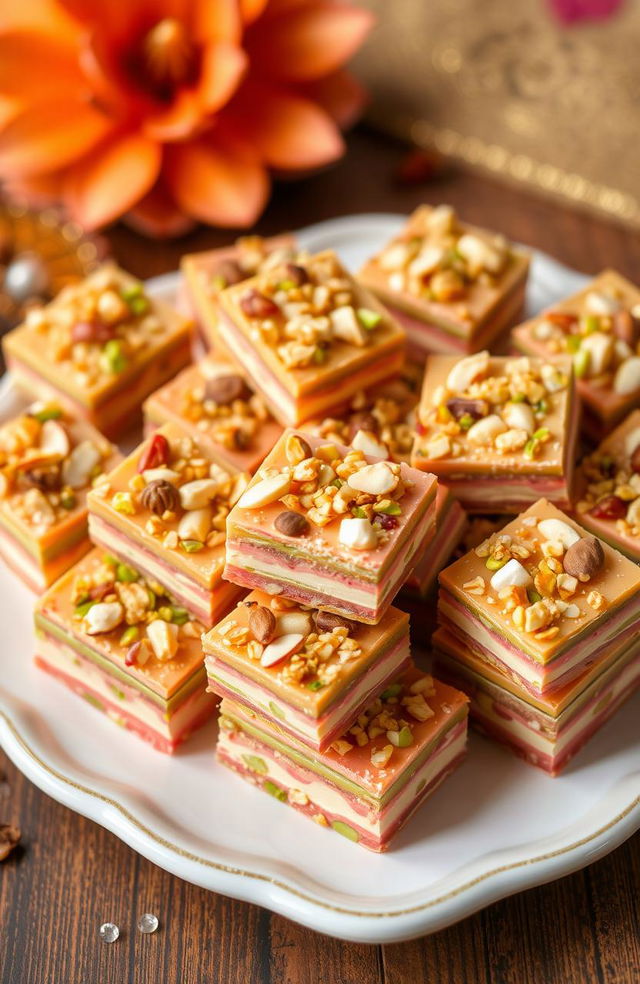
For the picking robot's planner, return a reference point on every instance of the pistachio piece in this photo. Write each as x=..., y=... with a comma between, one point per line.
x=225, y=389
x=160, y=496
x=291, y=523
x=584, y=558
x=262, y=624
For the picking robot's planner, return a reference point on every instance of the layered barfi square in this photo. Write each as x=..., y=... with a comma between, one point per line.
x=378, y=421
x=608, y=488
x=330, y=527
x=547, y=731
x=164, y=510
x=309, y=672
x=48, y=462
x=118, y=640
x=208, y=273
x=542, y=600
x=214, y=403
x=309, y=336
x=100, y=348
x=453, y=287
x=368, y=784
x=599, y=327
x=499, y=431
x=451, y=523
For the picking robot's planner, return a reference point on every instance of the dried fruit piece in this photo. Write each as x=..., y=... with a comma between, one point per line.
x=262, y=624
x=291, y=523
x=459, y=407
x=9, y=839
x=93, y=332
x=584, y=559
x=327, y=621
x=256, y=305
x=611, y=507
x=225, y=389
x=155, y=454
x=160, y=496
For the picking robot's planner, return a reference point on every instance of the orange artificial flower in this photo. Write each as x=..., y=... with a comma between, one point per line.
x=172, y=110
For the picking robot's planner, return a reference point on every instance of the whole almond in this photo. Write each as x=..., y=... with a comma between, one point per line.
x=291, y=523
x=225, y=389
x=262, y=624
x=327, y=621
x=584, y=558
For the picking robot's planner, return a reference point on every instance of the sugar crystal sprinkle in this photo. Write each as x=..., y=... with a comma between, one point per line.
x=109, y=932
x=148, y=923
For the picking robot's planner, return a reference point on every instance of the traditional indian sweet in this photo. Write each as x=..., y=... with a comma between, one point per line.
x=608, y=488
x=453, y=287
x=118, y=640
x=450, y=524
x=164, y=510
x=309, y=672
x=542, y=600
x=309, y=336
x=100, y=348
x=370, y=781
x=600, y=328
x=499, y=431
x=214, y=403
x=207, y=274
x=547, y=731
x=48, y=463
x=330, y=527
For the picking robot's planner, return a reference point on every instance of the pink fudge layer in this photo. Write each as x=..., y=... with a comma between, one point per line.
x=451, y=521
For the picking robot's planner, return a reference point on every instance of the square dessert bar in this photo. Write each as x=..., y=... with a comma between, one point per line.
x=368, y=784
x=499, y=431
x=608, y=488
x=541, y=600
x=379, y=420
x=546, y=731
x=600, y=328
x=48, y=463
x=330, y=527
x=309, y=336
x=214, y=403
x=453, y=287
x=207, y=274
x=164, y=510
x=451, y=523
x=100, y=347
x=309, y=672
x=120, y=642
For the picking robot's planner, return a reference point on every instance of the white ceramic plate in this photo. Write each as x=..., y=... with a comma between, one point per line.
x=495, y=827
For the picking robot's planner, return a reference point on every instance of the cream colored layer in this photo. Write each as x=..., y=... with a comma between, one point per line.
x=65, y=659
x=329, y=798
x=315, y=730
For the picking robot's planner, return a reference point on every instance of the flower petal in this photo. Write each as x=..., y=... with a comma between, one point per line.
x=35, y=13
x=50, y=135
x=309, y=41
x=176, y=122
x=216, y=20
x=111, y=179
x=158, y=215
x=340, y=95
x=288, y=131
x=30, y=61
x=216, y=184
x=223, y=66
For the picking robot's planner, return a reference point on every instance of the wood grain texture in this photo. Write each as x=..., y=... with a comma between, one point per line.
x=71, y=875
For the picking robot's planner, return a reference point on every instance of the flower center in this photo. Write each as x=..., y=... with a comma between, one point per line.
x=168, y=53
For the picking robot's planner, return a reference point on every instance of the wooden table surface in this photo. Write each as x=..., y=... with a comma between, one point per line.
x=72, y=875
